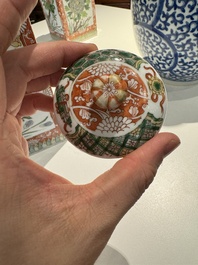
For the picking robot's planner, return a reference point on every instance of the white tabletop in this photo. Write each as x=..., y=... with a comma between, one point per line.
x=162, y=228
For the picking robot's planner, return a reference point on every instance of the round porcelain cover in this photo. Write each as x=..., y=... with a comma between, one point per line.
x=109, y=103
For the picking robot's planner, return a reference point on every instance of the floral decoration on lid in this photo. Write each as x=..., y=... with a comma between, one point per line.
x=109, y=103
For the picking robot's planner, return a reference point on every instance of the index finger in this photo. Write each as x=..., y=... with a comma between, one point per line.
x=37, y=64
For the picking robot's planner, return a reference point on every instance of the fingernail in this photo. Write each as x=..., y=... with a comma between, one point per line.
x=171, y=146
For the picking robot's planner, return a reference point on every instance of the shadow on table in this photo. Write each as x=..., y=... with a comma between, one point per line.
x=110, y=256
x=182, y=106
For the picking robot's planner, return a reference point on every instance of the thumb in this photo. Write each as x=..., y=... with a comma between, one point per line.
x=127, y=180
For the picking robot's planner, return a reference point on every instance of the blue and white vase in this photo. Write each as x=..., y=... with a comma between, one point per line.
x=167, y=36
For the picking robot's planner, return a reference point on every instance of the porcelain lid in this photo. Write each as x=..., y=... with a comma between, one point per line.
x=110, y=102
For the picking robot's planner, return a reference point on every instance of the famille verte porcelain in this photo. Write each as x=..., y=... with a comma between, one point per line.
x=39, y=129
x=167, y=35
x=24, y=37
x=70, y=19
x=110, y=102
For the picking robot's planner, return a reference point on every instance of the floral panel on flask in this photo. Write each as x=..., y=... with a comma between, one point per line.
x=70, y=19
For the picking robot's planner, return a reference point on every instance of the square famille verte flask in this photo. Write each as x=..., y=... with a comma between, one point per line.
x=70, y=19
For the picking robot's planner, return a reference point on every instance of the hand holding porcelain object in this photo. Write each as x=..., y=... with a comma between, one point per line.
x=110, y=102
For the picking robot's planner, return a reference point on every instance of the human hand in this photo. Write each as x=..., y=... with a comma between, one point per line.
x=45, y=219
